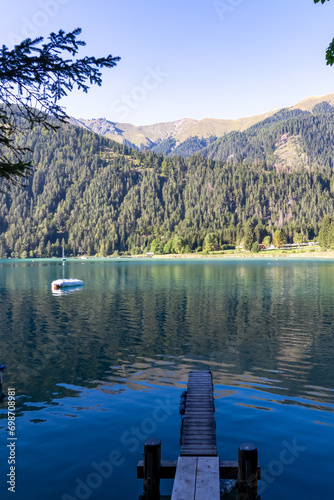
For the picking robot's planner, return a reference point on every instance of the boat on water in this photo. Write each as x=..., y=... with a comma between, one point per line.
x=67, y=290
x=66, y=283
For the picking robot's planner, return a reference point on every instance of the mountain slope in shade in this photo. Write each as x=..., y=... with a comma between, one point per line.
x=151, y=136
x=290, y=140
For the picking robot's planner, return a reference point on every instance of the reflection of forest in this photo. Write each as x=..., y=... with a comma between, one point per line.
x=137, y=322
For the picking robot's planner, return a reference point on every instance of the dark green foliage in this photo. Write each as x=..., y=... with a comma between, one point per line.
x=210, y=242
x=164, y=147
x=227, y=247
x=279, y=238
x=330, y=50
x=193, y=145
x=258, y=144
x=157, y=246
x=249, y=235
x=260, y=231
x=282, y=114
x=187, y=148
x=256, y=247
x=326, y=233
x=298, y=239
x=323, y=107
x=266, y=241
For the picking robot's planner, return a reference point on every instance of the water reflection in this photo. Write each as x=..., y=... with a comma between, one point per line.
x=138, y=323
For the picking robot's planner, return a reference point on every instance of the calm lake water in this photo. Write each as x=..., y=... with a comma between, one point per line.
x=99, y=370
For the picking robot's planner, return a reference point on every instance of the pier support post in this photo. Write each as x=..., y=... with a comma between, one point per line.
x=152, y=459
x=247, y=472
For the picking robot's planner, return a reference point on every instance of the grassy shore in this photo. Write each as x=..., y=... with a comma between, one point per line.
x=302, y=253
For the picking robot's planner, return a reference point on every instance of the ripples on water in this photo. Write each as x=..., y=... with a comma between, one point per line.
x=91, y=366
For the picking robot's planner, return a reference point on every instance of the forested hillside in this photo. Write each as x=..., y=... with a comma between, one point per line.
x=288, y=140
x=187, y=148
x=97, y=196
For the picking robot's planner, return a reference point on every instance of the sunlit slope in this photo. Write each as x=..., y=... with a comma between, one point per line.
x=150, y=136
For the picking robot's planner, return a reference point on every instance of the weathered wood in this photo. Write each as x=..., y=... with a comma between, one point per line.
x=167, y=469
x=247, y=471
x=198, y=470
x=152, y=459
x=228, y=469
x=207, y=479
x=185, y=479
x=199, y=425
x=197, y=478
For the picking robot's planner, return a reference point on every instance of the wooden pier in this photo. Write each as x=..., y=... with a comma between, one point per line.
x=198, y=470
x=199, y=425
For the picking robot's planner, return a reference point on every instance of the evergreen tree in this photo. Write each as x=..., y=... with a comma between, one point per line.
x=266, y=241
x=33, y=79
x=330, y=50
x=325, y=232
x=249, y=235
x=279, y=239
x=210, y=242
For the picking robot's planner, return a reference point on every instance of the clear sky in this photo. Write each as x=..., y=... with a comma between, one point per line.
x=188, y=58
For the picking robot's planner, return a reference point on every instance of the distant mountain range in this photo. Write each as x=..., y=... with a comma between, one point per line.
x=173, y=137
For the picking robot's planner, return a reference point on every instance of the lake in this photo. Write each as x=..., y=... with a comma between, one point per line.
x=99, y=370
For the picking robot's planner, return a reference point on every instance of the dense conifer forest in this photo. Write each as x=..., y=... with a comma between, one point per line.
x=96, y=196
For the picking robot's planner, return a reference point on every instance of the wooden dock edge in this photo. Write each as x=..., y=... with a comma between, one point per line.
x=198, y=470
x=228, y=469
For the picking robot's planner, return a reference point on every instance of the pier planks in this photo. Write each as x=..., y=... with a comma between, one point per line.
x=196, y=478
x=199, y=426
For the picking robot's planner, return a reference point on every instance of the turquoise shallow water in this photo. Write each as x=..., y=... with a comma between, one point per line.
x=99, y=370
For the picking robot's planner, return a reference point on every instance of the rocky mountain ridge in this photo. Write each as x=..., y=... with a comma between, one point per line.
x=151, y=136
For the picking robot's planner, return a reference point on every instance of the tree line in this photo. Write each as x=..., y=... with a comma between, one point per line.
x=98, y=197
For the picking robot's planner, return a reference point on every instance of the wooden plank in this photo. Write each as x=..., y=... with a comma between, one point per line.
x=204, y=453
x=228, y=469
x=199, y=435
x=207, y=479
x=199, y=425
x=185, y=479
x=201, y=440
x=167, y=469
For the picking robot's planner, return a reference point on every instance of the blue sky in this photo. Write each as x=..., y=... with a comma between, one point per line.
x=188, y=59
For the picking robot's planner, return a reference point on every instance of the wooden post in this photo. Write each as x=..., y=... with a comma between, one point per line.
x=247, y=472
x=152, y=459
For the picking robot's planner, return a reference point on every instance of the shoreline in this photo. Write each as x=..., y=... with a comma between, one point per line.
x=249, y=255
x=309, y=255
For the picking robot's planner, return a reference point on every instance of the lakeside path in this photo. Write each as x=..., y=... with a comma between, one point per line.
x=248, y=255
x=315, y=255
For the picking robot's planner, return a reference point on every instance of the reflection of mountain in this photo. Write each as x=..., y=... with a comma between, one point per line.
x=141, y=323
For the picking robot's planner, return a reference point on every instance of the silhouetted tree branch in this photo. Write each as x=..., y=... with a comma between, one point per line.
x=330, y=49
x=33, y=78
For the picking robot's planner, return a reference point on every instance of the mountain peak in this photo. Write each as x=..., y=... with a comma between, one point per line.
x=148, y=136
